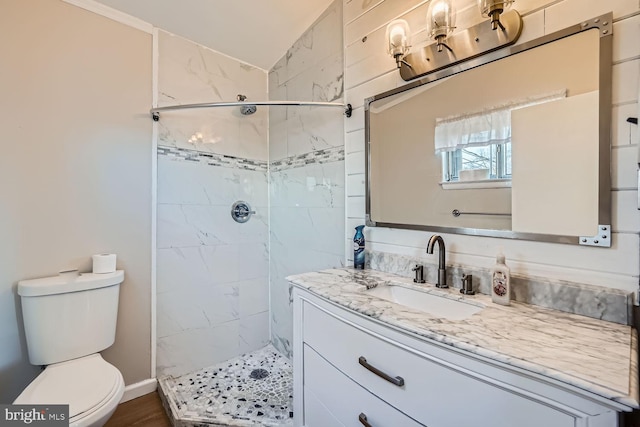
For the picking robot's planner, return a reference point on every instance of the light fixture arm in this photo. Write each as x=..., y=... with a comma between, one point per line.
x=492, y=9
x=400, y=61
x=403, y=62
x=495, y=20
x=440, y=42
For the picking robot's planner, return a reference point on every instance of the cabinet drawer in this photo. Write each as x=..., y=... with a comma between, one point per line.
x=316, y=414
x=346, y=401
x=434, y=393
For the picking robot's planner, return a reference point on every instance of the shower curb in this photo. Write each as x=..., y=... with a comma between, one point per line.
x=177, y=419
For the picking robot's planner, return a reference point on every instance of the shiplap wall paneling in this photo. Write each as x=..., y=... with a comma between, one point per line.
x=370, y=71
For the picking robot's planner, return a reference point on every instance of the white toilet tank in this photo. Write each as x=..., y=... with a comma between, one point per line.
x=69, y=316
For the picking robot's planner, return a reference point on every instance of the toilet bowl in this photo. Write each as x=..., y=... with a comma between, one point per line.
x=90, y=386
x=68, y=320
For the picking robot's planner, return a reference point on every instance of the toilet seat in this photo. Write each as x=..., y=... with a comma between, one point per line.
x=101, y=413
x=85, y=384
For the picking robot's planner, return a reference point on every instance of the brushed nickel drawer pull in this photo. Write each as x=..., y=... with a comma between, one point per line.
x=399, y=381
x=363, y=420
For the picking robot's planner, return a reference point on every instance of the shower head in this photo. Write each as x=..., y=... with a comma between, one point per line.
x=246, y=110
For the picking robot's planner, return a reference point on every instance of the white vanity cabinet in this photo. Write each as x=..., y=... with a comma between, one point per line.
x=351, y=370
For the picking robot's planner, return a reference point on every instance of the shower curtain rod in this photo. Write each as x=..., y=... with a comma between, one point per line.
x=155, y=112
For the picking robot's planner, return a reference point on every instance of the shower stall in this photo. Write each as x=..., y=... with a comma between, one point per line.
x=249, y=191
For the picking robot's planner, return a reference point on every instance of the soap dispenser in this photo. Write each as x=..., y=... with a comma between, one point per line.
x=500, y=281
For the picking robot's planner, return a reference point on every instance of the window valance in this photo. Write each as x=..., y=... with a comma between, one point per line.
x=490, y=126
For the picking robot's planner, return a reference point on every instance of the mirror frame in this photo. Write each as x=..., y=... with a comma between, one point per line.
x=602, y=236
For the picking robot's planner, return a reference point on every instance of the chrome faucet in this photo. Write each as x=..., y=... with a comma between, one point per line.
x=442, y=272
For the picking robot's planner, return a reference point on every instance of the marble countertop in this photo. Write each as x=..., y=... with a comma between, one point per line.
x=591, y=354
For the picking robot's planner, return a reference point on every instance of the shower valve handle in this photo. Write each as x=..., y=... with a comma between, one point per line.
x=241, y=211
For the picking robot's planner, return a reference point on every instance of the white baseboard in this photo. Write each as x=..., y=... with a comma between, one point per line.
x=138, y=389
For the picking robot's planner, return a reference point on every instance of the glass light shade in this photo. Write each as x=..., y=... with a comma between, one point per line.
x=441, y=18
x=397, y=35
x=489, y=7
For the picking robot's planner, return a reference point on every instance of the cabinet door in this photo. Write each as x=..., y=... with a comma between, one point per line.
x=350, y=404
x=433, y=392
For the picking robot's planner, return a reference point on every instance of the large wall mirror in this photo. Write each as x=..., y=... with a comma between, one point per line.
x=512, y=144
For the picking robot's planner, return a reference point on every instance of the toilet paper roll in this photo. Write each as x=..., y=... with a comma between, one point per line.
x=104, y=263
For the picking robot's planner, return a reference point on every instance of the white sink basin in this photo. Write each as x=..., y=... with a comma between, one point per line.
x=439, y=305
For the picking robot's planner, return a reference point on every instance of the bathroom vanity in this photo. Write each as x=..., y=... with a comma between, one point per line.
x=400, y=354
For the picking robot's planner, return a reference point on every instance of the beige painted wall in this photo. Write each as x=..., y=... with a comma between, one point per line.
x=75, y=167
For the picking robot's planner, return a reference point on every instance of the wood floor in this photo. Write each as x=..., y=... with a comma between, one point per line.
x=145, y=411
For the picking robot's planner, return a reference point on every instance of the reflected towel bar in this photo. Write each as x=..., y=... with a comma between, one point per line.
x=457, y=213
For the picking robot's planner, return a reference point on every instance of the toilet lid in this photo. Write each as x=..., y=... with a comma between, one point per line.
x=81, y=383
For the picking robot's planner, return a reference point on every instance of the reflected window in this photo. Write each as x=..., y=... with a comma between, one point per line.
x=492, y=161
x=477, y=146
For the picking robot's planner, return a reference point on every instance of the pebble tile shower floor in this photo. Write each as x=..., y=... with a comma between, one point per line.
x=254, y=389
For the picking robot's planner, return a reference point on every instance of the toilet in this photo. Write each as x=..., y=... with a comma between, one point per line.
x=68, y=320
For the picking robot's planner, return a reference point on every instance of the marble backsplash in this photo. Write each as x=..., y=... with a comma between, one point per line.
x=613, y=305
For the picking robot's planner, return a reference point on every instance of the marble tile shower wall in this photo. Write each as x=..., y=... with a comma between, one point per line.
x=306, y=154
x=188, y=74
x=212, y=273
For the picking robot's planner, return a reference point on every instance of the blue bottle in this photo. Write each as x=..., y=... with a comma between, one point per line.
x=358, y=248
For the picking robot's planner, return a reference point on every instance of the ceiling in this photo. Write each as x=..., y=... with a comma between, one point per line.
x=257, y=32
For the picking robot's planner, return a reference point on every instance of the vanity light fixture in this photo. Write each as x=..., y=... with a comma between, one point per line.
x=493, y=9
x=462, y=46
x=441, y=21
x=397, y=44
